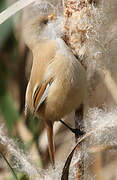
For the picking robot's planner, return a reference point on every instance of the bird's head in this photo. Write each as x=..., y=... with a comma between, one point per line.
x=33, y=29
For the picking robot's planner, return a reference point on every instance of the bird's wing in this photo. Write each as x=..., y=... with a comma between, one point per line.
x=41, y=93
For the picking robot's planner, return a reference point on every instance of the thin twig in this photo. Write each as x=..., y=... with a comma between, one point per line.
x=79, y=125
x=7, y=13
x=11, y=169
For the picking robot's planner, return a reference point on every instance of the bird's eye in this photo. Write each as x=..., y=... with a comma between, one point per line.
x=45, y=21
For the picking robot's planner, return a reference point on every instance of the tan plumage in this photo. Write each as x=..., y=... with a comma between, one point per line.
x=57, y=82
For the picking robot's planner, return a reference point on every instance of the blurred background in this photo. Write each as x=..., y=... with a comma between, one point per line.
x=29, y=134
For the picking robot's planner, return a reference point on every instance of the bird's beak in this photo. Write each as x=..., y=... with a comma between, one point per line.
x=49, y=127
x=51, y=17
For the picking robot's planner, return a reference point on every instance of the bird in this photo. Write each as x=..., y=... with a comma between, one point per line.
x=57, y=83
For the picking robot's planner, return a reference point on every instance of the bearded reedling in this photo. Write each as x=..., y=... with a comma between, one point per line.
x=57, y=82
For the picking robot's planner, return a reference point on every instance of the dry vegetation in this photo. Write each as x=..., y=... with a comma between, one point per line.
x=89, y=29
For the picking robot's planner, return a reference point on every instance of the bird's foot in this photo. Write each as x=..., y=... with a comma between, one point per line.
x=78, y=132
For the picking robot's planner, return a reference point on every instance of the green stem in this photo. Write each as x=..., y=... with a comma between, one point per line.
x=11, y=169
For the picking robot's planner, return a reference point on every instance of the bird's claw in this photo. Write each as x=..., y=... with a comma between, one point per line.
x=77, y=131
